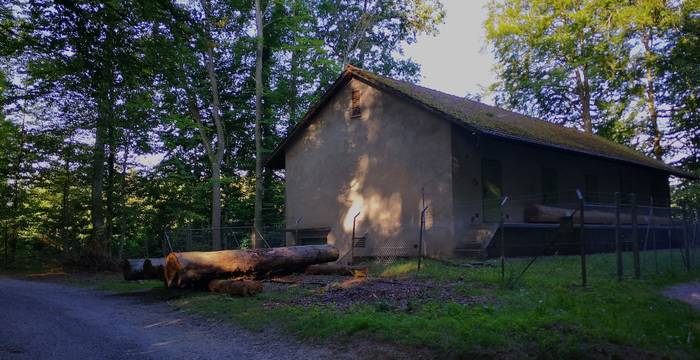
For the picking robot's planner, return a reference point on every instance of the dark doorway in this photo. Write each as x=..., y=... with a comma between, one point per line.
x=491, y=181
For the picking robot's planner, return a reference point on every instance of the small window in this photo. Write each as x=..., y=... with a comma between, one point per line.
x=550, y=187
x=660, y=190
x=591, y=188
x=311, y=236
x=355, y=111
x=626, y=189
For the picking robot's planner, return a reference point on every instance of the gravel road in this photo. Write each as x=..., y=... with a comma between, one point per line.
x=689, y=293
x=40, y=320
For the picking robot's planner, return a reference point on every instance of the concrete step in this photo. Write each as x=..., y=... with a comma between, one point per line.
x=471, y=245
x=478, y=254
x=478, y=234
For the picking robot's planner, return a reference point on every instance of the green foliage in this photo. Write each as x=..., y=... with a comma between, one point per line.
x=556, y=58
x=98, y=87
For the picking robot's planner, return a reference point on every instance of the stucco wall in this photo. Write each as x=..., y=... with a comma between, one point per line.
x=374, y=165
x=522, y=176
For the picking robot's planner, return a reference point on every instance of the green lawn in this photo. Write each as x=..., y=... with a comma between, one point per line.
x=546, y=313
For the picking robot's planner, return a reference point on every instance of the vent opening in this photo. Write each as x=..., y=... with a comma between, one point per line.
x=355, y=111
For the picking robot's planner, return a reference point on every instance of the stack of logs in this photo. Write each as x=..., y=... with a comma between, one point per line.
x=236, y=272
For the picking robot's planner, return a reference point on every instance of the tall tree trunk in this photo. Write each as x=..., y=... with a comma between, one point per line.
x=109, y=188
x=65, y=199
x=96, y=204
x=220, y=136
x=257, y=221
x=584, y=93
x=651, y=97
x=124, y=194
x=13, y=232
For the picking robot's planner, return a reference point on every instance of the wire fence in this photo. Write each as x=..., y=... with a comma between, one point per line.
x=231, y=237
x=613, y=235
x=616, y=235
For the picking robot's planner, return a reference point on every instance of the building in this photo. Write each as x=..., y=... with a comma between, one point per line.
x=375, y=151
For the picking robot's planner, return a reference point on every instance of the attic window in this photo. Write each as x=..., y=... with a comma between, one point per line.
x=355, y=111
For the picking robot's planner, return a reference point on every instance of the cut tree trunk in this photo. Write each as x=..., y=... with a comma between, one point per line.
x=235, y=287
x=550, y=214
x=197, y=269
x=143, y=269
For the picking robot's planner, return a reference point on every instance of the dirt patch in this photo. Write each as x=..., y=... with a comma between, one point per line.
x=394, y=294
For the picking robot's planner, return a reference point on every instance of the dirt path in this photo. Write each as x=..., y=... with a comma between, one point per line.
x=689, y=293
x=40, y=320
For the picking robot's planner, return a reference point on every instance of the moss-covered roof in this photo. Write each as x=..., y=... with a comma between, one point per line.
x=489, y=120
x=503, y=123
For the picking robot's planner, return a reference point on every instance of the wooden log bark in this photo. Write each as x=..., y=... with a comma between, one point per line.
x=155, y=268
x=235, y=287
x=133, y=269
x=197, y=269
x=550, y=214
x=143, y=269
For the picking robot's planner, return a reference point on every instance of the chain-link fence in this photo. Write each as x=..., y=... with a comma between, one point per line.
x=230, y=237
x=393, y=249
x=615, y=236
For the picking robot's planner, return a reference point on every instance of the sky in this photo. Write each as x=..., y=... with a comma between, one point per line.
x=455, y=60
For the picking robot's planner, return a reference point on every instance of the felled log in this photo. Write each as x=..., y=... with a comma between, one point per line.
x=197, y=269
x=336, y=269
x=550, y=214
x=143, y=269
x=235, y=287
x=155, y=267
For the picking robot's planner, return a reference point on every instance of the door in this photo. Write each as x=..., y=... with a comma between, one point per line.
x=492, y=191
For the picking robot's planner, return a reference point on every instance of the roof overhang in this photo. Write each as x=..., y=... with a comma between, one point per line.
x=277, y=158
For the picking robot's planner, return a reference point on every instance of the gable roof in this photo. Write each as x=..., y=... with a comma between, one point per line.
x=485, y=119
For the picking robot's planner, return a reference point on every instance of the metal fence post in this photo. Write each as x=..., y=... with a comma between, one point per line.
x=653, y=237
x=296, y=230
x=694, y=241
x=686, y=244
x=352, y=239
x=582, y=204
x=618, y=245
x=635, y=240
x=503, y=243
x=420, y=238
x=6, y=235
x=188, y=239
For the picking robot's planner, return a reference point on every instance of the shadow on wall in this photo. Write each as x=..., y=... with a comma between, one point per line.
x=378, y=184
x=382, y=212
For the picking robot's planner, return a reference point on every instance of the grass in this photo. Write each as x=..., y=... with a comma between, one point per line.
x=543, y=313
x=120, y=286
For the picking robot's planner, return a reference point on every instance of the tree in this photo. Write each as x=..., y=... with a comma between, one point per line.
x=556, y=59
x=682, y=99
x=191, y=88
x=82, y=49
x=216, y=154
x=258, y=119
x=648, y=25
